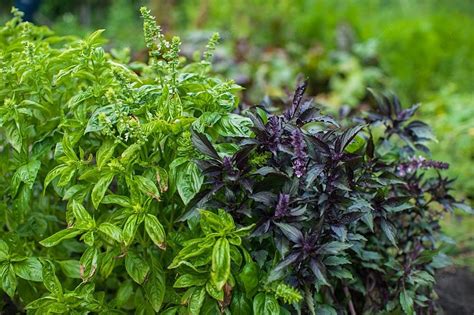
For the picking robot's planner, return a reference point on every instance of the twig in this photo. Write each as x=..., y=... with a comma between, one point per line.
x=351, y=305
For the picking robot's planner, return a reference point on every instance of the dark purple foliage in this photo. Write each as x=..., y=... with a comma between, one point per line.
x=339, y=213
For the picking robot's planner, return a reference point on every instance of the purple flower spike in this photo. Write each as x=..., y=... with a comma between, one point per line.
x=274, y=132
x=420, y=162
x=299, y=162
x=282, y=205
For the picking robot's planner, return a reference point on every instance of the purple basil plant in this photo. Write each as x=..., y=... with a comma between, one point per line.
x=349, y=216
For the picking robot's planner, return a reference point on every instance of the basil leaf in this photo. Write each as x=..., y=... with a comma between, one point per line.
x=8, y=278
x=129, y=229
x=406, y=301
x=59, y=236
x=249, y=276
x=100, y=188
x=111, y=231
x=104, y=153
x=196, y=301
x=189, y=181
x=190, y=280
x=29, y=269
x=220, y=268
x=265, y=304
x=155, y=230
x=155, y=289
x=136, y=267
x=50, y=281
x=240, y=305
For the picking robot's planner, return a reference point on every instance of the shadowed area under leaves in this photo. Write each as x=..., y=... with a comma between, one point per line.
x=455, y=287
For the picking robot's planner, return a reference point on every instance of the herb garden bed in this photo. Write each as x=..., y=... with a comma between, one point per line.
x=149, y=191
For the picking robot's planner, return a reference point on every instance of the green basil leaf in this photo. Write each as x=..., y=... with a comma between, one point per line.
x=124, y=293
x=220, y=268
x=189, y=181
x=250, y=276
x=196, y=301
x=83, y=218
x=406, y=301
x=13, y=135
x=94, y=124
x=68, y=150
x=162, y=178
x=210, y=307
x=214, y=292
x=67, y=175
x=147, y=186
x=100, y=188
x=123, y=201
x=104, y=153
x=130, y=154
x=40, y=303
x=9, y=281
x=88, y=238
x=71, y=268
x=111, y=231
x=190, y=280
x=89, y=262
x=235, y=255
x=240, y=305
x=172, y=310
x=155, y=289
x=265, y=304
x=129, y=229
x=50, y=281
x=59, y=236
x=29, y=269
x=233, y=125
x=155, y=230
x=4, y=250
x=55, y=172
x=107, y=262
x=136, y=267
x=26, y=174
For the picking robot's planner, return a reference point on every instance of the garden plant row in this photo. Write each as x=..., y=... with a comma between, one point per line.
x=148, y=191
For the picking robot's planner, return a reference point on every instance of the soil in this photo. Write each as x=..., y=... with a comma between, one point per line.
x=455, y=287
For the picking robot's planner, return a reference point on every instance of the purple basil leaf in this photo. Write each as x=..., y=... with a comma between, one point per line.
x=278, y=271
x=389, y=231
x=265, y=197
x=291, y=232
x=317, y=268
x=201, y=143
x=408, y=113
x=343, y=141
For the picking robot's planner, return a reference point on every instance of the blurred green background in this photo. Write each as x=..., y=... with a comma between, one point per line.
x=421, y=50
